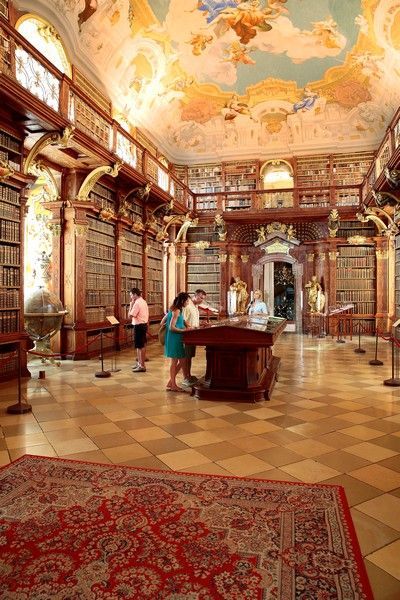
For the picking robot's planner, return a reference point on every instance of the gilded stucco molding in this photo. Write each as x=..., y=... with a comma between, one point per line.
x=51, y=138
x=94, y=176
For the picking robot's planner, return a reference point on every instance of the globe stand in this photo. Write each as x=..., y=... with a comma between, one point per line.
x=102, y=373
x=41, y=346
x=21, y=407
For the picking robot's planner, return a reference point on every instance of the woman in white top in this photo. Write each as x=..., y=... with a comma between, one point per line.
x=257, y=306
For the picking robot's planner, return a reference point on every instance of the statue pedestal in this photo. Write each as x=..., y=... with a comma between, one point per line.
x=314, y=324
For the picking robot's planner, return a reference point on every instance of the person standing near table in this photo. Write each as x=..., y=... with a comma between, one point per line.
x=191, y=317
x=139, y=312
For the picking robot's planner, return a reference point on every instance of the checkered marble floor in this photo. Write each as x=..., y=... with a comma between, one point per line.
x=330, y=420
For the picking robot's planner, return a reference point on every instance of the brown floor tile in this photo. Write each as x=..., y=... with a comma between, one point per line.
x=342, y=461
x=372, y=534
x=164, y=445
x=278, y=456
x=356, y=491
x=112, y=440
x=384, y=586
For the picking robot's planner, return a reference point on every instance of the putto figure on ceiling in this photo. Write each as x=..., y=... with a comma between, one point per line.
x=235, y=107
x=307, y=102
x=244, y=17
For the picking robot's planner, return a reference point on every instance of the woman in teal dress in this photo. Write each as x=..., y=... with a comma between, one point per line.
x=174, y=348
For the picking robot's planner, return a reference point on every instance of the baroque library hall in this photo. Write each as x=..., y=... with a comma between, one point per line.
x=234, y=167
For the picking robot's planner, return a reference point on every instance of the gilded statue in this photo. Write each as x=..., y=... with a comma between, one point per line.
x=240, y=287
x=220, y=227
x=316, y=297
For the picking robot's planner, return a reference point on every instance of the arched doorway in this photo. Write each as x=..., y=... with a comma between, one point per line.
x=279, y=276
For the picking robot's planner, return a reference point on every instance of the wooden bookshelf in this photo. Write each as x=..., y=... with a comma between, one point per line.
x=4, y=8
x=154, y=277
x=350, y=228
x=131, y=268
x=205, y=179
x=100, y=271
x=350, y=169
x=240, y=176
x=12, y=206
x=203, y=271
x=356, y=278
x=10, y=150
x=181, y=173
x=313, y=171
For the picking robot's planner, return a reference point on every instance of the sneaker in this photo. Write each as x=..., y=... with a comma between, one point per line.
x=193, y=380
x=187, y=382
x=139, y=369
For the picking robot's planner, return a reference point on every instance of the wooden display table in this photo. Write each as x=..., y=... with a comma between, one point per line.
x=240, y=364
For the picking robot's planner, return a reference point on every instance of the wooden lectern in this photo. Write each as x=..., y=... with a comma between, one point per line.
x=240, y=364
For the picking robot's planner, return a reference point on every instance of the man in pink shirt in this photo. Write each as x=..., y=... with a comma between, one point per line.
x=139, y=311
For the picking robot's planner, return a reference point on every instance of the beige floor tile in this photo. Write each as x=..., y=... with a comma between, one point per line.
x=211, y=423
x=356, y=491
x=169, y=419
x=100, y=429
x=42, y=450
x=184, y=459
x=124, y=453
x=380, y=477
x=252, y=443
x=4, y=458
x=309, y=448
x=384, y=586
x=310, y=471
x=347, y=405
x=74, y=446
x=263, y=413
x=30, y=439
x=388, y=559
x=355, y=417
x=361, y=432
x=256, y=427
x=371, y=534
x=63, y=435
x=245, y=464
x=208, y=469
x=200, y=438
x=112, y=440
x=221, y=411
x=384, y=508
x=96, y=456
x=149, y=433
x=370, y=451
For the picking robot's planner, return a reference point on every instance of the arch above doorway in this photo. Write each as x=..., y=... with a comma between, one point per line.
x=277, y=249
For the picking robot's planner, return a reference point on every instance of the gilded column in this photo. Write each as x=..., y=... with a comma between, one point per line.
x=382, y=288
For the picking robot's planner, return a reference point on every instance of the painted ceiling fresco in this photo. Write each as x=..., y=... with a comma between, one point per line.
x=223, y=79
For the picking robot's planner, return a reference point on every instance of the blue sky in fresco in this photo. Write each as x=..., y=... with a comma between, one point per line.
x=302, y=13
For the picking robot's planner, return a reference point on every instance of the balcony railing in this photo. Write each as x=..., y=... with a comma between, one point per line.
x=296, y=198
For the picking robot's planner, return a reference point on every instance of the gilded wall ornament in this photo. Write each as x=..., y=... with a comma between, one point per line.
x=5, y=170
x=357, y=240
x=181, y=259
x=382, y=254
x=54, y=228
x=201, y=244
x=244, y=258
x=310, y=257
x=81, y=230
x=52, y=138
x=222, y=258
x=94, y=176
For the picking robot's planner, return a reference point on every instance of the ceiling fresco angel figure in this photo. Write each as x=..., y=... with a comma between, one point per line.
x=307, y=102
x=239, y=53
x=235, y=107
x=199, y=42
x=247, y=17
x=327, y=33
x=213, y=8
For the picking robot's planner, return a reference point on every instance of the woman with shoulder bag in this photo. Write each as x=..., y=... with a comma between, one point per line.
x=174, y=348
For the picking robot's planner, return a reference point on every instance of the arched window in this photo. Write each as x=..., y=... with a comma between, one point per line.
x=45, y=38
x=276, y=175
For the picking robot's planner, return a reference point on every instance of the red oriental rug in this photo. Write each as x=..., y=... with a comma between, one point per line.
x=72, y=530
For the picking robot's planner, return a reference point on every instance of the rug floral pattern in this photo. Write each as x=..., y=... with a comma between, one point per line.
x=71, y=531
